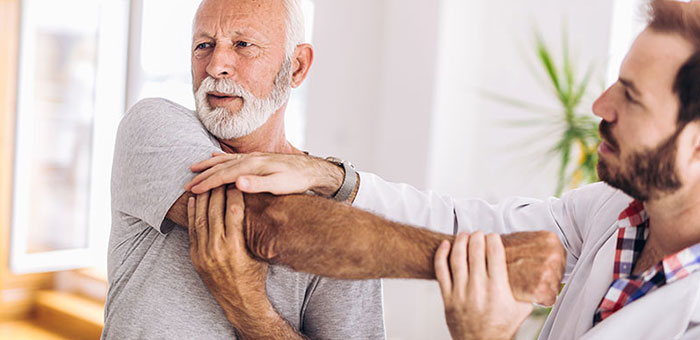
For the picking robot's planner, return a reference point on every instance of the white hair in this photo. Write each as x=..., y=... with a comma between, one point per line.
x=295, y=25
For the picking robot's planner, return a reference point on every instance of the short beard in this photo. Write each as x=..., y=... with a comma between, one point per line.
x=652, y=173
x=254, y=113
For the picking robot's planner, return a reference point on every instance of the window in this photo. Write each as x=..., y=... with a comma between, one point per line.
x=70, y=97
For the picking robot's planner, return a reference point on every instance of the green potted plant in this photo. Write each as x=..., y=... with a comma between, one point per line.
x=576, y=148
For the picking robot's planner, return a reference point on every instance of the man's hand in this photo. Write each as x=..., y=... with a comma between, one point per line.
x=267, y=172
x=219, y=253
x=237, y=281
x=477, y=297
x=536, y=262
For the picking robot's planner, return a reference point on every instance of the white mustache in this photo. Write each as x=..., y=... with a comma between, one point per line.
x=224, y=86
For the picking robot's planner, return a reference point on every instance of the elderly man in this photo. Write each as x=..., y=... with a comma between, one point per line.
x=632, y=243
x=246, y=56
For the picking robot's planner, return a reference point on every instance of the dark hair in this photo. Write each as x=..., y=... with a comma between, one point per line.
x=683, y=19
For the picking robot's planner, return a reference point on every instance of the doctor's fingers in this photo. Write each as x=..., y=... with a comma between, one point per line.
x=280, y=183
x=442, y=270
x=459, y=264
x=496, y=262
x=217, y=158
x=225, y=173
x=477, y=262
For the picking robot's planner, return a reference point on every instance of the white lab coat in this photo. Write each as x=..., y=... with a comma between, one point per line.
x=584, y=220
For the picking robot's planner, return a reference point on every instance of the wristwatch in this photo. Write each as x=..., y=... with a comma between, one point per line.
x=349, y=179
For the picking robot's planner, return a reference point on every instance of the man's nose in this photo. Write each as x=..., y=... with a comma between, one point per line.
x=221, y=64
x=604, y=106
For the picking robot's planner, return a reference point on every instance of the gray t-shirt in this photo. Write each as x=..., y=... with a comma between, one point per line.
x=154, y=291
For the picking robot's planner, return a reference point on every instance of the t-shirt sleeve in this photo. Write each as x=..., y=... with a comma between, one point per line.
x=157, y=142
x=344, y=309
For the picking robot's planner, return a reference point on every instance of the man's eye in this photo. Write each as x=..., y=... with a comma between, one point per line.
x=243, y=44
x=629, y=97
x=202, y=46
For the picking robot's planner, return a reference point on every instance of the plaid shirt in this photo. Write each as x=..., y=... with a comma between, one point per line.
x=627, y=287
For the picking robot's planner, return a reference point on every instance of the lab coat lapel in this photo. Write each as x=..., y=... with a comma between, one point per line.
x=662, y=314
x=598, y=281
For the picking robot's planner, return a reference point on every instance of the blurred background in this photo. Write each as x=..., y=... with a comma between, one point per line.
x=468, y=98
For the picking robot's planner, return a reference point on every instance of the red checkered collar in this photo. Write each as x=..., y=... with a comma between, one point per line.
x=633, y=231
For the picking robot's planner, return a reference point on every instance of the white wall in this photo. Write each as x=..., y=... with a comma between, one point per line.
x=473, y=146
x=395, y=89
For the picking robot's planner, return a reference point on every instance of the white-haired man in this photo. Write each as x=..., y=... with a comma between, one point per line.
x=246, y=57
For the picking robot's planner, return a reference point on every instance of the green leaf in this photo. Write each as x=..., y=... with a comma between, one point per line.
x=545, y=58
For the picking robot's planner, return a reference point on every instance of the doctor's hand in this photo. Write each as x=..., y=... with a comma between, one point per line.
x=275, y=173
x=218, y=252
x=478, y=300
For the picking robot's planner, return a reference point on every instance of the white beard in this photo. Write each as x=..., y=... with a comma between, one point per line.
x=227, y=125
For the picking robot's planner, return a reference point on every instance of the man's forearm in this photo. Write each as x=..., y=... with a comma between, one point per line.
x=323, y=237
x=320, y=236
x=258, y=321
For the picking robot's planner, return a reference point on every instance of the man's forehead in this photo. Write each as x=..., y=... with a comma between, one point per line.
x=246, y=14
x=654, y=60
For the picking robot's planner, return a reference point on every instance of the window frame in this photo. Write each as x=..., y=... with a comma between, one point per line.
x=110, y=88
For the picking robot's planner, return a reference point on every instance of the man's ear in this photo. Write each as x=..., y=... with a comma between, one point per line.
x=301, y=63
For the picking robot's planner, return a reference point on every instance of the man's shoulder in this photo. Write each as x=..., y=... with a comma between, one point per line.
x=158, y=119
x=155, y=109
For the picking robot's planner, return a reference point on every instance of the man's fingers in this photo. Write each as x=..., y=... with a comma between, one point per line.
x=458, y=261
x=496, y=260
x=477, y=259
x=217, y=204
x=201, y=220
x=442, y=270
x=235, y=212
x=191, y=225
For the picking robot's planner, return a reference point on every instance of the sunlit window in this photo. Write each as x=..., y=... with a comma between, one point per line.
x=70, y=97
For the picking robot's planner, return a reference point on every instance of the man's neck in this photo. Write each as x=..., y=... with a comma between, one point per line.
x=270, y=137
x=674, y=221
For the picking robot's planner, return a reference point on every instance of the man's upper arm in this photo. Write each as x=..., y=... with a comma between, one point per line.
x=178, y=211
x=156, y=143
x=345, y=309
